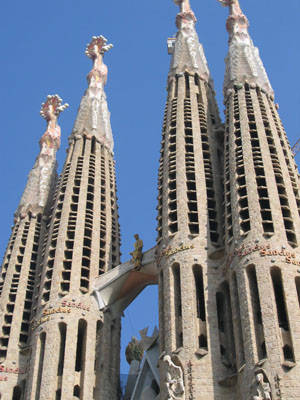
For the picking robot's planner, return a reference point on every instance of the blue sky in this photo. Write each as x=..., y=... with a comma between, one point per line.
x=42, y=51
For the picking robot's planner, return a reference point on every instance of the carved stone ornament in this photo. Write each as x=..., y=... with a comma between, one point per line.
x=263, y=388
x=188, y=54
x=93, y=117
x=173, y=380
x=134, y=351
x=42, y=177
x=243, y=62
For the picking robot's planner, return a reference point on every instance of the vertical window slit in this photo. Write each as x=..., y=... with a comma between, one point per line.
x=237, y=318
x=177, y=304
x=200, y=304
x=41, y=364
x=282, y=315
x=76, y=392
x=62, y=347
x=83, y=144
x=81, y=342
x=93, y=145
x=187, y=85
x=226, y=336
x=17, y=393
x=256, y=312
x=98, y=345
x=176, y=86
x=111, y=353
x=297, y=281
x=162, y=311
x=58, y=394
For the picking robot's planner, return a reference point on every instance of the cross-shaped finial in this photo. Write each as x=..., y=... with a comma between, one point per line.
x=52, y=107
x=98, y=45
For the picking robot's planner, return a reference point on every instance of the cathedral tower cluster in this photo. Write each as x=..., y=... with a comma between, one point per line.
x=227, y=254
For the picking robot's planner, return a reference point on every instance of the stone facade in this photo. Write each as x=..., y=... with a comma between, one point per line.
x=226, y=259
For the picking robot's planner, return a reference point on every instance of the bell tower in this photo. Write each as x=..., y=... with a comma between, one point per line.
x=262, y=225
x=190, y=233
x=75, y=350
x=20, y=263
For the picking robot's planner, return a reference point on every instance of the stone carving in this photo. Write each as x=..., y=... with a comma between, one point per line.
x=263, y=390
x=243, y=61
x=43, y=174
x=174, y=386
x=137, y=254
x=188, y=54
x=134, y=351
x=93, y=116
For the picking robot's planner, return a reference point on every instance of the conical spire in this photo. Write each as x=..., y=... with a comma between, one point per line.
x=243, y=62
x=42, y=176
x=188, y=54
x=93, y=116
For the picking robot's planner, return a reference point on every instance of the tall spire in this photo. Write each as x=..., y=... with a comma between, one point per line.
x=243, y=62
x=42, y=176
x=93, y=116
x=188, y=54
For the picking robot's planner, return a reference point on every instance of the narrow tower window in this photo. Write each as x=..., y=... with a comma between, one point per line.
x=98, y=344
x=81, y=341
x=256, y=312
x=282, y=314
x=41, y=364
x=76, y=392
x=62, y=347
x=177, y=304
x=237, y=319
x=162, y=312
x=226, y=337
x=17, y=393
x=297, y=281
x=187, y=85
x=200, y=304
x=93, y=147
x=58, y=394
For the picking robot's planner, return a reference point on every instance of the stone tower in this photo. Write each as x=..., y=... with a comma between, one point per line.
x=262, y=229
x=190, y=233
x=61, y=346
x=82, y=243
x=20, y=261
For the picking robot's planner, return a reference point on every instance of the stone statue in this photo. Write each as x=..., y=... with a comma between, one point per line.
x=263, y=391
x=134, y=351
x=173, y=380
x=137, y=254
